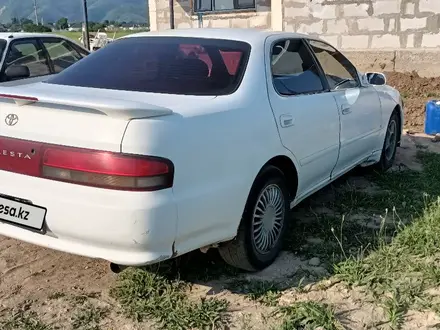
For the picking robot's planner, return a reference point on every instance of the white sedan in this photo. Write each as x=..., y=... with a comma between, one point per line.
x=163, y=143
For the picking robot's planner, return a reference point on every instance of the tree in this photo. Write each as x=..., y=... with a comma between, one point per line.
x=15, y=25
x=31, y=27
x=94, y=26
x=25, y=21
x=62, y=24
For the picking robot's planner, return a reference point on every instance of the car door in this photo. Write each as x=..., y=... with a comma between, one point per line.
x=306, y=114
x=359, y=107
x=62, y=53
x=26, y=52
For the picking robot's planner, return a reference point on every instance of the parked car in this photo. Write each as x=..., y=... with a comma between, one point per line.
x=163, y=143
x=32, y=57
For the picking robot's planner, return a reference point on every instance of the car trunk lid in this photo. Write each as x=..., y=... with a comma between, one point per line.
x=38, y=115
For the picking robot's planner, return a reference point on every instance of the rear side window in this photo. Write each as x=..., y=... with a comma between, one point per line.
x=294, y=70
x=171, y=65
x=61, y=53
x=3, y=44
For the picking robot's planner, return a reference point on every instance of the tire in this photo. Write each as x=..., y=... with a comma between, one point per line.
x=390, y=144
x=249, y=250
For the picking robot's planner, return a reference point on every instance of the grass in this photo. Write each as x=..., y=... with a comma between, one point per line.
x=400, y=273
x=76, y=35
x=395, y=308
x=81, y=299
x=144, y=294
x=433, y=94
x=396, y=257
x=400, y=197
x=246, y=322
x=309, y=315
x=89, y=317
x=404, y=269
x=264, y=292
x=56, y=295
x=23, y=321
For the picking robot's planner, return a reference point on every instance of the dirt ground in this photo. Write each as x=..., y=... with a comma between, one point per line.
x=416, y=91
x=60, y=291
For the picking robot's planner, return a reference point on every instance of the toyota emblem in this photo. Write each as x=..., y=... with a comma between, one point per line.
x=11, y=119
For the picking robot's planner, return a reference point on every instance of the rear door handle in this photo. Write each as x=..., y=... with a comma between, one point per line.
x=345, y=109
x=286, y=120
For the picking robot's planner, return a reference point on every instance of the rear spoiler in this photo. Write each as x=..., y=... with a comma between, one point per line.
x=115, y=108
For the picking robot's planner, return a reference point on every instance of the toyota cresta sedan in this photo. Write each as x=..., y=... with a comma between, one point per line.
x=167, y=142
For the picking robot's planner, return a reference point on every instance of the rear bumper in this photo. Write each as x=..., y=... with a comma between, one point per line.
x=127, y=228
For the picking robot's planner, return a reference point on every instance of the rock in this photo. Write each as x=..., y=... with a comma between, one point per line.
x=315, y=262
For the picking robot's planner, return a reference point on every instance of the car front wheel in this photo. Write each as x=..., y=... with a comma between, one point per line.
x=263, y=225
x=390, y=144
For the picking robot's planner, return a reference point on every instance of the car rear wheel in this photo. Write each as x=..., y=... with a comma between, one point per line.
x=390, y=144
x=263, y=225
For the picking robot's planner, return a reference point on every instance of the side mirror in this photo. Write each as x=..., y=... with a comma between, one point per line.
x=376, y=78
x=15, y=72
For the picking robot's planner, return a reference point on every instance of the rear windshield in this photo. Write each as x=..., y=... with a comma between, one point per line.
x=172, y=65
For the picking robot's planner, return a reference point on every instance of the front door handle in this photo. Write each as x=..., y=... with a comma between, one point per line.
x=345, y=109
x=286, y=120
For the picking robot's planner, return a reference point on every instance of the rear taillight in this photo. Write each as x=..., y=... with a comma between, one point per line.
x=106, y=169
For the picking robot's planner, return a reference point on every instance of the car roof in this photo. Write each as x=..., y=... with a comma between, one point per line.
x=19, y=35
x=249, y=35
x=23, y=35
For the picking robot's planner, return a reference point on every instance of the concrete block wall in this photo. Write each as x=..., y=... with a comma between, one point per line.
x=184, y=16
x=367, y=24
x=379, y=35
x=426, y=62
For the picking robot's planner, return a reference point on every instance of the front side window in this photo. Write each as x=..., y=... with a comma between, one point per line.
x=340, y=73
x=28, y=53
x=222, y=5
x=61, y=53
x=171, y=65
x=294, y=70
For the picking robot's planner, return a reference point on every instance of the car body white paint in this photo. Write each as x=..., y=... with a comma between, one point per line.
x=218, y=145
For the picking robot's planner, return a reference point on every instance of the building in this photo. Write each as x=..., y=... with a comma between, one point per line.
x=401, y=35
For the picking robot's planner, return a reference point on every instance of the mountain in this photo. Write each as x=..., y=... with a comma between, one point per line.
x=53, y=10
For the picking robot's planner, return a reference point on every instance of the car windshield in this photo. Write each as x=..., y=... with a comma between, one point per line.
x=171, y=65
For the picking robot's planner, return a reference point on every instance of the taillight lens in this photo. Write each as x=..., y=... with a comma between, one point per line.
x=106, y=169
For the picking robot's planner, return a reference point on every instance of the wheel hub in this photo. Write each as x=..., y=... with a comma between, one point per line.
x=268, y=219
x=390, y=140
